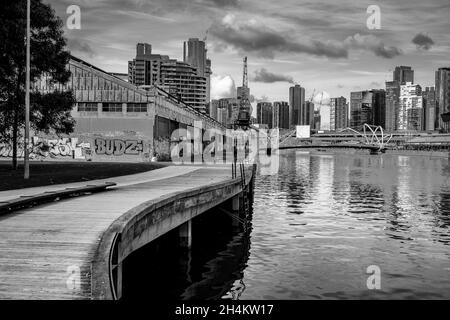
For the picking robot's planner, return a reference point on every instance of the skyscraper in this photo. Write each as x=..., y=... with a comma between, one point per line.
x=180, y=79
x=308, y=114
x=392, y=105
x=281, y=115
x=367, y=107
x=195, y=54
x=429, y=105
x=410, y=98
x=338, y=113
x=403, y=74
x=296, y=104
x=264, y=114
x=442, y=86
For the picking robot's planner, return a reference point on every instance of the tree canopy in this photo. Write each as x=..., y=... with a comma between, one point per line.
x=49, y=111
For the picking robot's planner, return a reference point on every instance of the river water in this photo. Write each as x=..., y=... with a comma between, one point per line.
x=316, y=227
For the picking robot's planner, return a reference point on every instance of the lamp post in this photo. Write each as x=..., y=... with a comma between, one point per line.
x=27, y=99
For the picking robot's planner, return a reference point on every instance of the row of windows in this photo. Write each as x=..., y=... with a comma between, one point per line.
x=112, y=107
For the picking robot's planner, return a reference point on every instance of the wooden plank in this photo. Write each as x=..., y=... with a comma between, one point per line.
x=38, y=244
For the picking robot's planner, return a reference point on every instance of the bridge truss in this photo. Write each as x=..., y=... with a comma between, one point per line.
x=373, y=135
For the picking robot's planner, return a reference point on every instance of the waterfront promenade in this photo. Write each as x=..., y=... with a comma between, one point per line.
x=45, y=248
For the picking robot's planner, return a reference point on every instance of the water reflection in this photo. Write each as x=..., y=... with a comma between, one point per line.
x=318, y=224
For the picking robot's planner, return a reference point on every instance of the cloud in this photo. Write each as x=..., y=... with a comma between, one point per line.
x=224, y=3
x=80, y=46
x=250, y=36
x=376, y=84
x=322, y=98
x=423, y=41
x=373, y=44
x=222, y=86
x=262, y=75
x=263, y=98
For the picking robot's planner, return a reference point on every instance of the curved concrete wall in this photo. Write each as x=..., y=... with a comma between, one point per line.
x=148, y=221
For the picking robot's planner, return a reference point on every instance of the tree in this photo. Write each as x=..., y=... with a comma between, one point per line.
x=49, y=57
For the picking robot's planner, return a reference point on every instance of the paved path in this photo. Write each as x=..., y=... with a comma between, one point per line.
x=39, y=246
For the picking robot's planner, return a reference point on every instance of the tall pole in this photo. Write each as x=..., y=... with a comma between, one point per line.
x=27, y=99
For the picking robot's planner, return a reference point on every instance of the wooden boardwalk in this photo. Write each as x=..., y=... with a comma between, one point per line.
x=42, y=248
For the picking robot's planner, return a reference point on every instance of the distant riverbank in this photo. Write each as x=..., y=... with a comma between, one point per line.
x=426, y=153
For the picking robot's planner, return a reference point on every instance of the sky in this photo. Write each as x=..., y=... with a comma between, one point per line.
x=322, y=45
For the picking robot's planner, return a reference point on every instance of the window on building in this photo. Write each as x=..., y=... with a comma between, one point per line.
x=112, y=107
x=87, y=107
x=136, y=107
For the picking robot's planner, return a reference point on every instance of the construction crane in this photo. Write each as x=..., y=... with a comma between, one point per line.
x=312, y=97
x=243, y=120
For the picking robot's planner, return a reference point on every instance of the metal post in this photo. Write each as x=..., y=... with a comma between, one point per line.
x=27, y=98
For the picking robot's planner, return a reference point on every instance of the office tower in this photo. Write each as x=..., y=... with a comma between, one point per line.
x=231, y=108
x=415, y=119
x=403, y=74
x=392, y=105
x=309, y=114
x=264, y=114
x=144, y=70
x=325, y=117
x=442, y=87
x=316, y=119
x=379, y=109
x=296, y=103
x=195, y=54
x=222, y=116
x=429, y=106
x=281, y=115
x=179, y=79
x=367, y=107
x=410, y=98
x=213, y=107
x=338, y=113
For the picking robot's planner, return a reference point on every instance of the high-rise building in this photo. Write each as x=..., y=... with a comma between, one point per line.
x=195, y=54
x=429, y=106
x=410, y=98
x=180, y=79
x=145, y=69
x=281, y=115
x=316, y=124
x=296, y=104
x=404, y=74
x=415, y=119
x=442, y=87
x=325, y=117
x=338, y=113
x=213, y=107
x=264, y=114
x=367, y=107
x=392, y=105
x=308, y=114
x=222, y=116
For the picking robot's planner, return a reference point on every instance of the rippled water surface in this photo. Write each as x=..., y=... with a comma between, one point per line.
x=317, y=225
x=323, y=219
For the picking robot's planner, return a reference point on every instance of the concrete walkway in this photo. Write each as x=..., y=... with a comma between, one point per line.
x=42, y=249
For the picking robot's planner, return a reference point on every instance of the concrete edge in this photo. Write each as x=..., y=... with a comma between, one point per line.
x=100, y=267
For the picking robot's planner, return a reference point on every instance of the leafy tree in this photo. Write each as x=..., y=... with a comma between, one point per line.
x=49, y=111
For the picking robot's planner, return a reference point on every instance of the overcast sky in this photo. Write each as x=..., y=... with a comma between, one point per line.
x=321, y=45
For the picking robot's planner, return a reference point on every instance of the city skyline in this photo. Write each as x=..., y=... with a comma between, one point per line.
x=291, y=43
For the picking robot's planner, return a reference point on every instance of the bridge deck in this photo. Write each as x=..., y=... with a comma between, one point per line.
x=39, y=245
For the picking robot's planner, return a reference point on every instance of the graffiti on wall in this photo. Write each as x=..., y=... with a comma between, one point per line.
x=118, y=147
x=42, y=148
x=79, y=148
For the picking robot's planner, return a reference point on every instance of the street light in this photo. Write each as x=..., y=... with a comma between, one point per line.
x=27, y=99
